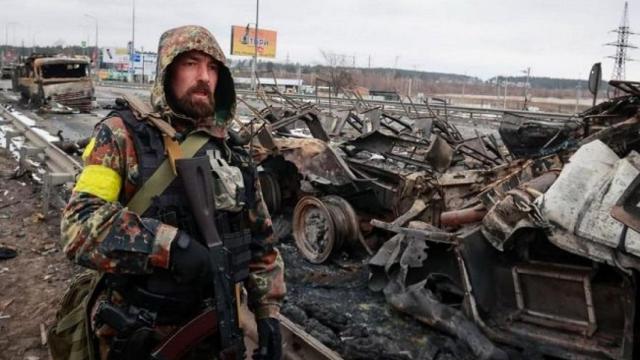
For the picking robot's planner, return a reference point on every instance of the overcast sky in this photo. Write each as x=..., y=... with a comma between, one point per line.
x=484, y=38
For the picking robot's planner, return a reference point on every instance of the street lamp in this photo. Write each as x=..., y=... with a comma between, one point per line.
x=6, y=38
x=97, y=48
x=254, y=65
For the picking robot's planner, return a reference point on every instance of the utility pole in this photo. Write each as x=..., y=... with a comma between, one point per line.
x=578, y=93
x=133, y=46
x=497, y=91
x=464, y=82
x=97, y=47
x=254, y=64
x=506, y=83
x=526, y=88
x=6, y=43
x=369, y=61
x=298, y=76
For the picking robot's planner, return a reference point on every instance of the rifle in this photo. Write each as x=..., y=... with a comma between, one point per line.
x=223, y=321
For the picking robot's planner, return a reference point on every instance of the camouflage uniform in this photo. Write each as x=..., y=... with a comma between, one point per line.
x=100, y=233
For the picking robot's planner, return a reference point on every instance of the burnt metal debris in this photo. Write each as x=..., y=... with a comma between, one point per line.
x=505, y=243
x=55, y=83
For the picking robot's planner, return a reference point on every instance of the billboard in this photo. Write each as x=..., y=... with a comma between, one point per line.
x=113, y=55
x=242, y=40
x=146, y=62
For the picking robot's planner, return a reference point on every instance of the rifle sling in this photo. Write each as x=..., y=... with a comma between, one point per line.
x=165, y=173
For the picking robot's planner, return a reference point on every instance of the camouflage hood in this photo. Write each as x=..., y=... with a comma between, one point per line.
x=179, y=40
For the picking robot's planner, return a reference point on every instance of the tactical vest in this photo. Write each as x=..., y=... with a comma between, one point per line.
x=171, y=206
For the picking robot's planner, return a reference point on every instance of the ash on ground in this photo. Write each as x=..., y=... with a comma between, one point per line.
x=333, y=304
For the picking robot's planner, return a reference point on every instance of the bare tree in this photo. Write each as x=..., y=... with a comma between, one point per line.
x=336, y=71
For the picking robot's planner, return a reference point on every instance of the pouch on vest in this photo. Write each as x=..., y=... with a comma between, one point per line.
x=228, y=183
x=69, y=337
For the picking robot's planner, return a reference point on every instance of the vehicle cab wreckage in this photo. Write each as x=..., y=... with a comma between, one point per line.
x=527, y=241
x=55, y=83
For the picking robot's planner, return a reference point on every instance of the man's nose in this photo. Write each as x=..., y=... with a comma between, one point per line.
x=203, y=73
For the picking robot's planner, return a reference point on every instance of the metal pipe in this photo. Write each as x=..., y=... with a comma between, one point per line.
x=464, y=216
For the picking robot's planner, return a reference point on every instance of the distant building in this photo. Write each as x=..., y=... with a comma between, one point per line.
x=384, y=95
x=360, y=90
x=283, y=85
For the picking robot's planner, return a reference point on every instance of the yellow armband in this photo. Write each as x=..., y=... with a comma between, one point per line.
x=100, y=181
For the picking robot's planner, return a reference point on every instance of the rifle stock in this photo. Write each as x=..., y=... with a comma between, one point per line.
x=179, y=343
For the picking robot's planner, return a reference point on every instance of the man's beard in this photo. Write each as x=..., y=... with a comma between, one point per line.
x=196, y=109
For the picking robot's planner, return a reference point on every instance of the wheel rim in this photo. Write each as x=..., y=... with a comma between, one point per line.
x=313, y=229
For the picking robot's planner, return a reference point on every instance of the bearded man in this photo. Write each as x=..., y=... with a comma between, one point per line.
x=142, y=237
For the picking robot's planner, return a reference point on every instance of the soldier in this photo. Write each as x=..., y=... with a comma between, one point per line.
x=150, y=249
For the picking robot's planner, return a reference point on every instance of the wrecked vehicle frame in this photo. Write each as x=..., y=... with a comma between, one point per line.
x=527, y=292
x=50, y=81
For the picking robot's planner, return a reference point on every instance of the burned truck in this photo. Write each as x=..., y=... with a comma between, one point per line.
x=46, y=81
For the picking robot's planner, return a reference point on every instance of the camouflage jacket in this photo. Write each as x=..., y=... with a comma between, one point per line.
x=99, y=232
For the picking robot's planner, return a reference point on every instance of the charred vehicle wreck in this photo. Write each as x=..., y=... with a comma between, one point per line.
x=524, y=244
x=50, y=81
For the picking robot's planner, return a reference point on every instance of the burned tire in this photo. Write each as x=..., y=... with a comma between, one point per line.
x=323, y=226
x=345, y=220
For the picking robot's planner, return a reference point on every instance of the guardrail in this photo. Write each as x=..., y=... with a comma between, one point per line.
x=438, y=108
x=59, y=167
x=123, y=85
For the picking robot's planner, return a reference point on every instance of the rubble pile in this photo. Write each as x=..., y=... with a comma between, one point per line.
x=506, y=243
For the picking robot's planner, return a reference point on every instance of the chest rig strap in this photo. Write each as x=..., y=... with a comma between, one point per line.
x=165, y=173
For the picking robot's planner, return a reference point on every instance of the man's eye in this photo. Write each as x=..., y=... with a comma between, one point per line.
x=190, y=63
x=213, y=67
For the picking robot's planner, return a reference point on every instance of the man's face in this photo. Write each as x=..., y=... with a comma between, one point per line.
x=193, y=81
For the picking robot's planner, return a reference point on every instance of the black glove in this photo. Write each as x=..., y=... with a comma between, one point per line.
x=189, y=260
x=269, y=340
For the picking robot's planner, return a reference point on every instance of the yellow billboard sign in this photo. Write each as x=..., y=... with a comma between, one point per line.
x=243, y=37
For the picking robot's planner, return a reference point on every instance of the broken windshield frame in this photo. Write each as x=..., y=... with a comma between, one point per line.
x=64, y=70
